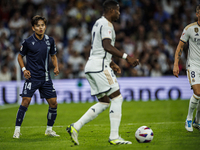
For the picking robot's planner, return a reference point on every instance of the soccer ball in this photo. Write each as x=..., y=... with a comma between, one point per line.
x=144, y=134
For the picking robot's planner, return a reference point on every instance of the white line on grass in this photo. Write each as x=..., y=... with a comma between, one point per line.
x=61, y=126
x=8, y=106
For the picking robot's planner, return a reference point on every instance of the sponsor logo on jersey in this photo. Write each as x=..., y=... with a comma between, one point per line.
x=197, y=40
x=33, y=43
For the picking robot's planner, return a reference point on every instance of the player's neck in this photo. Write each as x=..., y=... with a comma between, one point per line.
x=107, y=17
x=39, y=36
x=198, y=22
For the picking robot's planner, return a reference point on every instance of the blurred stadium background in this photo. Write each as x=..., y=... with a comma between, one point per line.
x=147, y=29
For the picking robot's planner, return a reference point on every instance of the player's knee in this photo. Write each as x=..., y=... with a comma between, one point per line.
x=53, y=103
x=26, y=101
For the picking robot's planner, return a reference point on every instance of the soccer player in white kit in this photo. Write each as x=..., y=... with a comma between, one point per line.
x=191, y=33
x=99, y=72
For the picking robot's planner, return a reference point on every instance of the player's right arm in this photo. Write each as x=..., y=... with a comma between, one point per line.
x=23, y=52
x=27, y=73
x=178, y=53
x=114, y=51
x=183, y=39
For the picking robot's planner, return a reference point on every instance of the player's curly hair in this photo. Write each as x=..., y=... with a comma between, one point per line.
x=36, y=18
x=109, y=4
x=198, y=8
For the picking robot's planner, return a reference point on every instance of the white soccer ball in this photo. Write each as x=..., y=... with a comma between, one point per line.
x=144, y=134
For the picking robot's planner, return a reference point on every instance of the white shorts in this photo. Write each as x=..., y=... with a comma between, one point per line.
x=193, y=75
x=103, y=83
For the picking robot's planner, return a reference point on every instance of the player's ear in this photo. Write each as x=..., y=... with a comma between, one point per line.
x=33, y=28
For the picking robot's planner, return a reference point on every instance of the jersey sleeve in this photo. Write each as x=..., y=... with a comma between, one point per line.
x=185, y=35
x=106, y=32
x=53, y=49
x=24, y=48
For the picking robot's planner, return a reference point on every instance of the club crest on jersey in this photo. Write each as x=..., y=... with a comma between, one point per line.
x=196, y=30
x=47, y=42
x=33, y=43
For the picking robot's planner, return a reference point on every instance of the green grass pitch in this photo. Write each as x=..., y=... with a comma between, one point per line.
x=165, y=118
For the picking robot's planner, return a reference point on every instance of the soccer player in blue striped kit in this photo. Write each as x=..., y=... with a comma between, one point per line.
x=37, y=49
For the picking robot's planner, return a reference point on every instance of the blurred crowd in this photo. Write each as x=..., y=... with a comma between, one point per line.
x=147, y=29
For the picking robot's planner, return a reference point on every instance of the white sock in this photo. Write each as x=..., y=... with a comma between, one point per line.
x=198, y=113
x=193, y=104
x=115, y=116
x=17, y=128
x=49, y=127
x=91, y=114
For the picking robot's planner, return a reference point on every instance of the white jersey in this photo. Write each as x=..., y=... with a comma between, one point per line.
x=191, y=33
x=102, y=29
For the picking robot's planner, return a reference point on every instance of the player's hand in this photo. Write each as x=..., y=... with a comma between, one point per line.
x=132, y=61
x=56, y=71
x=116, y=68
x=27, y=74
x=176, y=70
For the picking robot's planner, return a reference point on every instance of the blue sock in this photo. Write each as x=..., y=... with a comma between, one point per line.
x=20, y=115
x=51, y=116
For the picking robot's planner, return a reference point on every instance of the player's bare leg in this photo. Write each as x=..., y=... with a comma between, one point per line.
x=115, y=119
x=51, y=117
x=20, y=116
x=192, y=105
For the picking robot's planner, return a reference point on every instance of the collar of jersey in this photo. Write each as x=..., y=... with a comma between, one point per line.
x=198, y=24
x=37, y=38
x=106, y=19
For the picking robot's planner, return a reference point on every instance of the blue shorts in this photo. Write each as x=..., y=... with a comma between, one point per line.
x=45, y=88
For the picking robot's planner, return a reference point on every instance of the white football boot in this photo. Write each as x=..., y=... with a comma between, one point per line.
x=188, y=125
x=119, y=141
x=51, y=133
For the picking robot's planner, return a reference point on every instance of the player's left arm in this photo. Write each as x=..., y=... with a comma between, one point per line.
x=55, y=64
x=115, y=67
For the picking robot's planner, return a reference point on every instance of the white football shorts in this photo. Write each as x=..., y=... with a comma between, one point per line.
x=193, y=75
x=103, y=83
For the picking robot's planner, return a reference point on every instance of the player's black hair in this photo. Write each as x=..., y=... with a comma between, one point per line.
x=36, y=18
x=109, y=4
x=198, y=8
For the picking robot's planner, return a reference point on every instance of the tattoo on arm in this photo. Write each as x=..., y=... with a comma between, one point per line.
x=180, y=52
